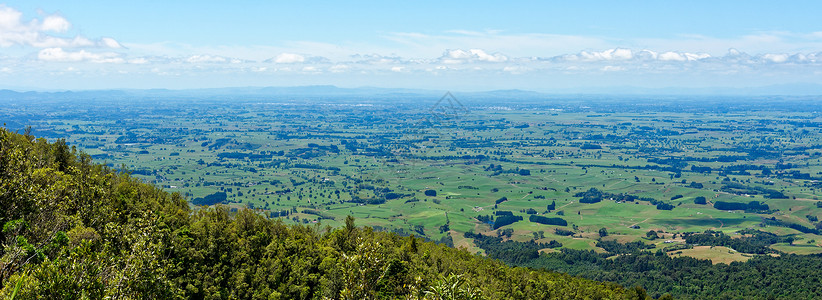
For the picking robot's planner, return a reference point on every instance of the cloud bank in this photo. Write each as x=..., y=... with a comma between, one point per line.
x=52, y=51
x=14, y=31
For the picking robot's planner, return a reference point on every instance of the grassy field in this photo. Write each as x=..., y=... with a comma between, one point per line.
x=317, y=163
x=717, y=254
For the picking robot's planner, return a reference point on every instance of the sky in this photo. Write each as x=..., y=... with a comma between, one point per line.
x=454, y=45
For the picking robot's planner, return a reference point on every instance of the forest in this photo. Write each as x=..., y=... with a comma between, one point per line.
x=785, y=276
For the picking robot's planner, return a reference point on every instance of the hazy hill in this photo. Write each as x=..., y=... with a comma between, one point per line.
x=325, y=91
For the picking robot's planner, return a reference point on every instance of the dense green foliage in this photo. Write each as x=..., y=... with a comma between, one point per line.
x=511, y=252
x=762, y=277
x=756, y=242
x=73, y=229
x=753, y=206
x=547, y=220
x=593, y=195
x=632, y=264
x=804, y=229
x=506, y=220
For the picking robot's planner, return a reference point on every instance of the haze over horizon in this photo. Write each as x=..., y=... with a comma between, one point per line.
x=467, y=46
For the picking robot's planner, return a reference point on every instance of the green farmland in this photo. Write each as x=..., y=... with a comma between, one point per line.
x=321, y=160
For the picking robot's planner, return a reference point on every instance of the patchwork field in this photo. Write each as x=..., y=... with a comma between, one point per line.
x=440, y=170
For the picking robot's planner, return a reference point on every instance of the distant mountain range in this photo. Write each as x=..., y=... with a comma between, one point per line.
x=318, y=91
x=315, y=91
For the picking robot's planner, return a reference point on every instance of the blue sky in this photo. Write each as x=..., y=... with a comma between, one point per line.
x=477, y=45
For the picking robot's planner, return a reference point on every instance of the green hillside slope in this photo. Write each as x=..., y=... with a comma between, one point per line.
x=74, y=229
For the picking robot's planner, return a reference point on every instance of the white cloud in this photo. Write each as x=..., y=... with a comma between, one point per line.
x=35, y=33
x=671, y=56
x=511, y=44
x=311, y=70
x=294, y=58
x=610, y=54
x=776, y=58
x=680, y=56
x=55, y=23
x=457, y=56
x=516, y=70
x=206, y=59
x=809, y=58
x=612, y=68
x=60, y=55
x=628, y=55
x=110, y=43
x=138, y=61
x=696, y=56
x=646, y=54
x=449, y=54
x=375, y=59
x=289, y=58
x=482, y=56
x=339, y=68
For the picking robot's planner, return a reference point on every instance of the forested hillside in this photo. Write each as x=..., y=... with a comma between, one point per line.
x=75, y=229
x=773, y=276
